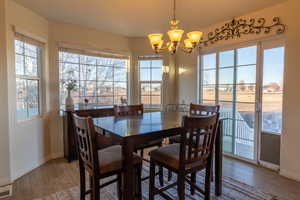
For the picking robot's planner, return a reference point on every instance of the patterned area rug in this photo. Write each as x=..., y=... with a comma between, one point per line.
x=232, y=190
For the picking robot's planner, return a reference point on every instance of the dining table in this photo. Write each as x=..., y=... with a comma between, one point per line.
x=133, y=131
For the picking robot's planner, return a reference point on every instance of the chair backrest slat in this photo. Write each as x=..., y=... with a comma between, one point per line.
x=129, y=110
x=94, y=113
x=201, y=129
x=200, y=109
x=86, y=142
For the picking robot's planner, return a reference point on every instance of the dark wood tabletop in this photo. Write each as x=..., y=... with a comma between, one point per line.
x=136, y=130
x=141, y=124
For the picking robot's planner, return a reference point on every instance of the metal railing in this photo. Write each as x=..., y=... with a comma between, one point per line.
x=237, y=128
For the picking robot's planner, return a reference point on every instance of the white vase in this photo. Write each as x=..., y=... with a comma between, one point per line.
x=69, y=101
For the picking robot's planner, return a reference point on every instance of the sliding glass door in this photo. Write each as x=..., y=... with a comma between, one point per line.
x=233, y=79
x=271, y=95
x=229, y=79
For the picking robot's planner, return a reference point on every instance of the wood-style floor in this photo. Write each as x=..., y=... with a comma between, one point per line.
x=57, y=175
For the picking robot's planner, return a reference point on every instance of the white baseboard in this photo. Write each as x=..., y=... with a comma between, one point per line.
x=22, y=171
x=269, y=165
x=289, y=175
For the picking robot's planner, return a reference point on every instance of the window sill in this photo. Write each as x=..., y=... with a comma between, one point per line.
x=37, y=117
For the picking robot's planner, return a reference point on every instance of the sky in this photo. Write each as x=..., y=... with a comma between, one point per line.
x=273, y=66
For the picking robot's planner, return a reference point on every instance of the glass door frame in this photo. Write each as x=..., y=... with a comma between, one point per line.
x=273, y=43
x=264, y=45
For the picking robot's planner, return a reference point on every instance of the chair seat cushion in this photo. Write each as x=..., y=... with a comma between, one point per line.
x=167, y=155
x=110, y=159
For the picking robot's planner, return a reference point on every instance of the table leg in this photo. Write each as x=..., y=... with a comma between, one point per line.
x=127, y=150
x=219, y=160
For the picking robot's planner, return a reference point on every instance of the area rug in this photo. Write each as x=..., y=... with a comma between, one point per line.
x=232, y=190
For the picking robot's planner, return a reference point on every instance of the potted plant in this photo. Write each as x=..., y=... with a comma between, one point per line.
x=70, y=85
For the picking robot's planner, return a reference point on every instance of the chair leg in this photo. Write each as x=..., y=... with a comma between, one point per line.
x=142, y=153
x=82, y=182
x=181, y=186
x=139, y=181
x=193, y=180
x=161, y=171
x=169, y=175
x=152, y=180
x=207, y=183
x=119, y=185
x=169, y=171
x=161, y=175
x=96, y=189
x=91, y=188
x=212, y=171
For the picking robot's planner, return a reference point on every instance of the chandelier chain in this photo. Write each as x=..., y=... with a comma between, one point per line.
x=174, y=10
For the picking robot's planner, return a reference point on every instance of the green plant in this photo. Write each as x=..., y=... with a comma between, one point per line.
x=70, y=84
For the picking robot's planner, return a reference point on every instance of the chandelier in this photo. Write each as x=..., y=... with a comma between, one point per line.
x=175, y=35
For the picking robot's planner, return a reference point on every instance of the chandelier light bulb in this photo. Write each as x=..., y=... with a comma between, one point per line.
x=175, y=35
x=155, y=38
x=188, y=43
x=195, y=36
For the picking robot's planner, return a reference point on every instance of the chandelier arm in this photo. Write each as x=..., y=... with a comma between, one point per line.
x=161, y=49
x=186, y=50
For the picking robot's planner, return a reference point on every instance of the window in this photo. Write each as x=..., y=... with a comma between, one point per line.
x=28, y=58
x=150, y=73
x=229, y=79
x=272, y=90
x=209, y=79
x=101, y=80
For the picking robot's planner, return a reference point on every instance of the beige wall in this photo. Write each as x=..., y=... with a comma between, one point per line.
x=29, y=140
x=290, y=165
x=289, y=14
x=4, y=130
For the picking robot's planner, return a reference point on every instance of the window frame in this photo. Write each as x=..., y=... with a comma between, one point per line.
x=39, y=59
x=268, y=46
x=80, y=64
x=150, y=82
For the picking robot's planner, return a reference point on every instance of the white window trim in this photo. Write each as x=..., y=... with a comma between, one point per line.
x=150, y=58
x=84, y=52
x=39, y=77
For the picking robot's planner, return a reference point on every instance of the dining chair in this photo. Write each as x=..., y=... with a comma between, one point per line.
x=129, y=110
x=94, y=113
x=195, y=110
x=135, y=110
x=185, y=158
x=100, y=164
x=201, y=109
x=103, y=142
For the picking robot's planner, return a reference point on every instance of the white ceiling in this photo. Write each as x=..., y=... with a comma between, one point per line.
x=140, y=17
